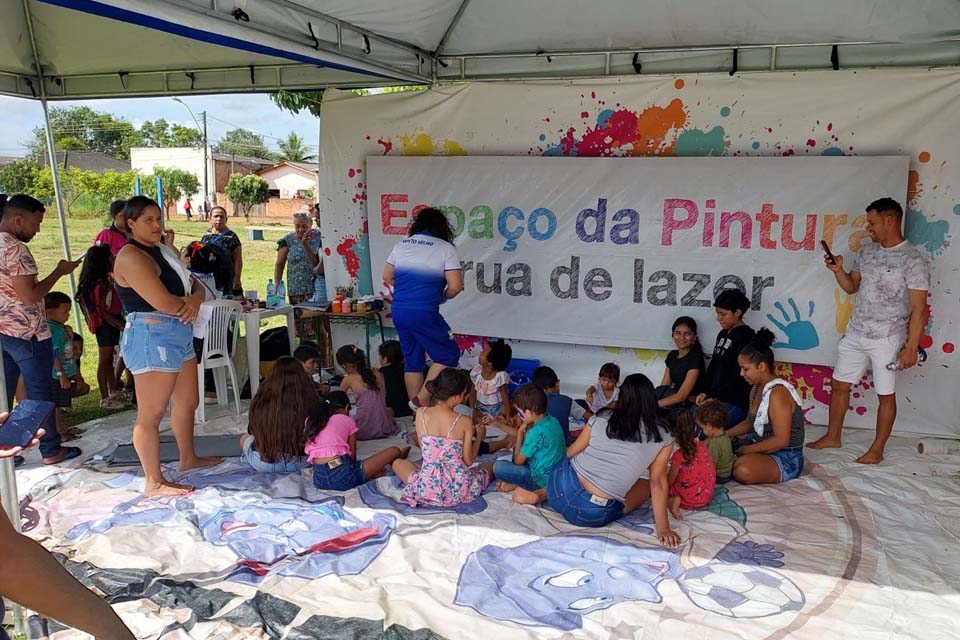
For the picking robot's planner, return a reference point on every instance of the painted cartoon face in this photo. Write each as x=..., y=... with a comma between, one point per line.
x=556, y=581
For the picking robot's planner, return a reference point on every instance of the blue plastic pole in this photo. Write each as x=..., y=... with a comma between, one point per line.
x=136, y=187
x=160, y=200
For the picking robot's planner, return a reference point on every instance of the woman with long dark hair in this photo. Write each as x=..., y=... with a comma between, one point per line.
x=686, y=366
x=425, y=272
x=100, y=304
x=161, y=302
x=275, y=431
x=614, y=466
x=771, y=438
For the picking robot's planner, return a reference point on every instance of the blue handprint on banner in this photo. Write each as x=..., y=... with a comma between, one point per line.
x=801, y=334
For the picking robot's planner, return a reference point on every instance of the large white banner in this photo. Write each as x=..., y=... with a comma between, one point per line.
x=610, y=251
x=818, y=115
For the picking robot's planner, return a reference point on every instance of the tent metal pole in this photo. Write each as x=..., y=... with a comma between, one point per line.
x=11, y=505
x=52, y=154
x=61, y=212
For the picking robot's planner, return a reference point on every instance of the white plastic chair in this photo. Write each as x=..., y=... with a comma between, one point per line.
x=218, y=353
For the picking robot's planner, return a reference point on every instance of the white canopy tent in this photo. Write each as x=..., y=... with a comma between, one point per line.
x=85, y=49
x=114, y=48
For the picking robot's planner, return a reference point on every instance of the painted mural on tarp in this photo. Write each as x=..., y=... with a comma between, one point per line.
x=759, y=114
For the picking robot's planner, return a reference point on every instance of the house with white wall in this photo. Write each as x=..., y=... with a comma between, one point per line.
x=291, y=179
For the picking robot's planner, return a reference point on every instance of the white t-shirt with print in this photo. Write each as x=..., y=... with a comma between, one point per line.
x=882, y=308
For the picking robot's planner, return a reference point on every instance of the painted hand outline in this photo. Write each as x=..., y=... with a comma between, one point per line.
x=750, y=553
x=801, y=334
x=844, y=304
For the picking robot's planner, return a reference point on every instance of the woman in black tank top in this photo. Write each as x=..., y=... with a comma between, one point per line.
x=776, y=454
x=157, y=343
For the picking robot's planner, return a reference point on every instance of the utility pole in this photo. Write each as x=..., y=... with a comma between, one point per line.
x=206, y=168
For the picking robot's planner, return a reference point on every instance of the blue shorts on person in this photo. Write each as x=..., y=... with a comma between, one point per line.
x=579, y=507
x=789, y=459
x=340, y=474
x=490, y=409
x=518, y=474
x=252, y=457
x=424, y=333
x=156, y=342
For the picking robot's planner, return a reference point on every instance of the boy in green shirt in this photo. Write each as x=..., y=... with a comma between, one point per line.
x=711, y=417
x=538, y=447
x=66, y=384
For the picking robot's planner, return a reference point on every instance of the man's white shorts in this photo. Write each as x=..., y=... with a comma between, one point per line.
x=855, y=353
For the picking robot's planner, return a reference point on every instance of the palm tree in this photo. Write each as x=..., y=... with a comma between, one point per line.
x=293, y=149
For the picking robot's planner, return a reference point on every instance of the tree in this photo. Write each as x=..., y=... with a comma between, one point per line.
x=295, y=102
x=247, y=191
x=177, y=184
x=183, y=136
x=83, y=129
x=161, y=134
x=294, y=149
x=242, y=142
x=19, y=176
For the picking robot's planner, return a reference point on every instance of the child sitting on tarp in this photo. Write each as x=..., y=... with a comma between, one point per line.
x=711, y=416
x=605, y=395
x=332, y=447
x=693, y=476
x=274, y=440
x=538, y=447
x=450, y=443
x=391, y=368
x=558, y=405
x=365, y=388
x=490, y=380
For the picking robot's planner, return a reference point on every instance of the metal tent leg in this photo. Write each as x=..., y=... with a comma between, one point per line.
x=11, y=505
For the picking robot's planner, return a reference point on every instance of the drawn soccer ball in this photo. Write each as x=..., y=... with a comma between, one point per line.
x=741, y=591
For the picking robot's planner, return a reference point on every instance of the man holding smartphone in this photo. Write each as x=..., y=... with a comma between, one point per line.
x=891, y=279
x=24, y=335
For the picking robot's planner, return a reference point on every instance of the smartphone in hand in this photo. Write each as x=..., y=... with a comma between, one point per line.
x=826, y=250
x=23, y=423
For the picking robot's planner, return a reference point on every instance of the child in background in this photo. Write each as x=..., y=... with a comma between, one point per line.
x=711, y=417
x=692, y=474
x=605, y=395
x=686, y=367
x=391, y=368
x=65, y=385
x=490, y=380
x=369, y=395
x=539, y=445
x=449, y=443
x=332, y=447
x=102, y=311
x=274, y=440
x=558, y=405
x=308, y=355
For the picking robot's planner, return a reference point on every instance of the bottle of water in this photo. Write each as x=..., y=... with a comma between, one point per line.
x=281, y=294
x=271, y=293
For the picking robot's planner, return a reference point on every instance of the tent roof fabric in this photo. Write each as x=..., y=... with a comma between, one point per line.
x=105, y=48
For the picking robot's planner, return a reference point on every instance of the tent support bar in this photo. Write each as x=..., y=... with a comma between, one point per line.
x=450, y=27
x=383, y=67
x=343, y=24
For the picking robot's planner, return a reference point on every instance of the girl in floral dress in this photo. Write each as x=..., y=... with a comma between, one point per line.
x=449, y=443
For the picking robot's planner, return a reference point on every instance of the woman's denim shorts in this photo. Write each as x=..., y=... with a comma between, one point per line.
x=252, y=457
x=156, y=342
x=566, y=496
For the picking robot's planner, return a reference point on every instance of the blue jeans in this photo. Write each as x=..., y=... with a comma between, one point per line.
x=578, y=506
x=518, y=474
x=156, y=342
x=32, y=359
x=252, y=457
x=341, y=474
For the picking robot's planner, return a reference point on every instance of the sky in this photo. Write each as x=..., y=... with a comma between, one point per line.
x=18, y=117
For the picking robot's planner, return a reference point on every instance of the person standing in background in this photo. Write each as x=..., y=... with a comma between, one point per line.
x=222, y=236
x=298, y=252
x=24, y=334
x=891, y=279
x=114, y=236
x=188, y=209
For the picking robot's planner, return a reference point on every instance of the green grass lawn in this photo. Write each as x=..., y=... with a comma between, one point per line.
x=47, y=248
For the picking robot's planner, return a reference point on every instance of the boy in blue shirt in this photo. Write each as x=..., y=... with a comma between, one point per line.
x=558, y=405
x=538, y=447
